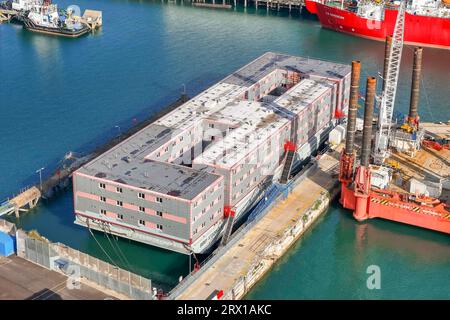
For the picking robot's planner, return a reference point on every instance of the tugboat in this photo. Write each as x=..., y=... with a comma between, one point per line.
x=45, y=18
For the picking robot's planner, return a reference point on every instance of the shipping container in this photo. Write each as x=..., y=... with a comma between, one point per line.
x=6, y=244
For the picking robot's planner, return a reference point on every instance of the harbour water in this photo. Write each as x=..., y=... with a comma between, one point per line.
x=73, y=94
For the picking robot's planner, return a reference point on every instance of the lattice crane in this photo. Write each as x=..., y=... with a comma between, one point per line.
x=381, y=152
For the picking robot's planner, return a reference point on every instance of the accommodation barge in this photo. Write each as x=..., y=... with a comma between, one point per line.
x=182, y=180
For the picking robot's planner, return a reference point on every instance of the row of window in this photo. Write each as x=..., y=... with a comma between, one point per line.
x=199, y=228
x=140, y=195
x=211, y=192
x=140, y=222
x=141, y=209
x=195, y=217
x=211, y=218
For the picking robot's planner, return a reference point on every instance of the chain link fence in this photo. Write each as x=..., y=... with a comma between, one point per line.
x=74, y=263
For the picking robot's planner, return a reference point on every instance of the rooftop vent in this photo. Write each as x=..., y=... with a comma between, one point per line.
x=101, y=175
x=163, y=133
x=174, y=193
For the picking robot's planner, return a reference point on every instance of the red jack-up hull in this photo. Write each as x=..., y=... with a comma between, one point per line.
x=389, y=206
x=368, y=202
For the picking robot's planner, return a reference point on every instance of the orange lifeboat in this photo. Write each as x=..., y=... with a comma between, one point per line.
x=429, y=201
x=446, y=2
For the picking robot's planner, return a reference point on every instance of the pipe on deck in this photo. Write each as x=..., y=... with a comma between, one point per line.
x=353, y=108
x=415, y=84
x=387, y=52
x=368, y=119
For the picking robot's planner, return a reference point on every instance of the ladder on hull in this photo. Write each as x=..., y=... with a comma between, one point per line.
x=229, y=214
x=290, y=153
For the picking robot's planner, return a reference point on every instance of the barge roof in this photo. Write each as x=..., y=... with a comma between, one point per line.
x=126, y=163
x=130, y=161
x=161, y=177
x=268, y=62
x=255, y=121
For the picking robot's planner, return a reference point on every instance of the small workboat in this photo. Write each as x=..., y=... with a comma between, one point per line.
x=45, y=18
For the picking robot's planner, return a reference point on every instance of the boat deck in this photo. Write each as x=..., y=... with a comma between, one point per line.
x=428, y=164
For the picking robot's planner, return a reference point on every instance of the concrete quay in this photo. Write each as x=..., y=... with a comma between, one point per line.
x=246, y=261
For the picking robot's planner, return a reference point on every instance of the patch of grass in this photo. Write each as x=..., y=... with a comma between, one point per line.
x=34, y=234
x=316, y=205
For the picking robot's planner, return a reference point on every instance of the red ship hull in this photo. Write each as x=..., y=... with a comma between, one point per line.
x=392, y=208
x=311, y=6
x=419, y=30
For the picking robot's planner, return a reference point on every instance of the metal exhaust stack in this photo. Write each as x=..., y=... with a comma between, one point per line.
x=387, y=52
x=353, y=108
x=415, y=84
x=368, y=119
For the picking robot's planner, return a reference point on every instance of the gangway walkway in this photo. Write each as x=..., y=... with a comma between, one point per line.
x=227, y=232
x=229, y=213
x=272, y=192
x=6, y=208
x=25, y=201
x=287, y=166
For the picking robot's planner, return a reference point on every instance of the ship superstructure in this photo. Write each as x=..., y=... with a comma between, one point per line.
x=176, y=183
x=427, y=22
x=44, y=17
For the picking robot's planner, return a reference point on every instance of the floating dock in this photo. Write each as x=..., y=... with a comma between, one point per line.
x=7, y=14
x=92, y=18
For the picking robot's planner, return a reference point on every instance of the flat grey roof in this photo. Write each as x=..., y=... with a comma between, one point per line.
x=126, y=162
x=262, y=66
x=165, y=178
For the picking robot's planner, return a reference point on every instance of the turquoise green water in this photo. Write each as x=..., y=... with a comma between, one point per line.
x=331, y=261
x=70, y=94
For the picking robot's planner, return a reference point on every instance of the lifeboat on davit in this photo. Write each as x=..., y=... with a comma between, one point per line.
x=427, y=201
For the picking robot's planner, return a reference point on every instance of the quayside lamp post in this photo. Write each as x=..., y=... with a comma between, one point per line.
x=40, y=177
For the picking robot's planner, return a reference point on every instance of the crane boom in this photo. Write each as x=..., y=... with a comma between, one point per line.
x=386, y=109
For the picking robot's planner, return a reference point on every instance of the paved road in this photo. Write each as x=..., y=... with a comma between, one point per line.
x=23, y=280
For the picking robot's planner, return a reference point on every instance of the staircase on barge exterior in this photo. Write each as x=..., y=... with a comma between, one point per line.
x=289, y=148
x=229, y=214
